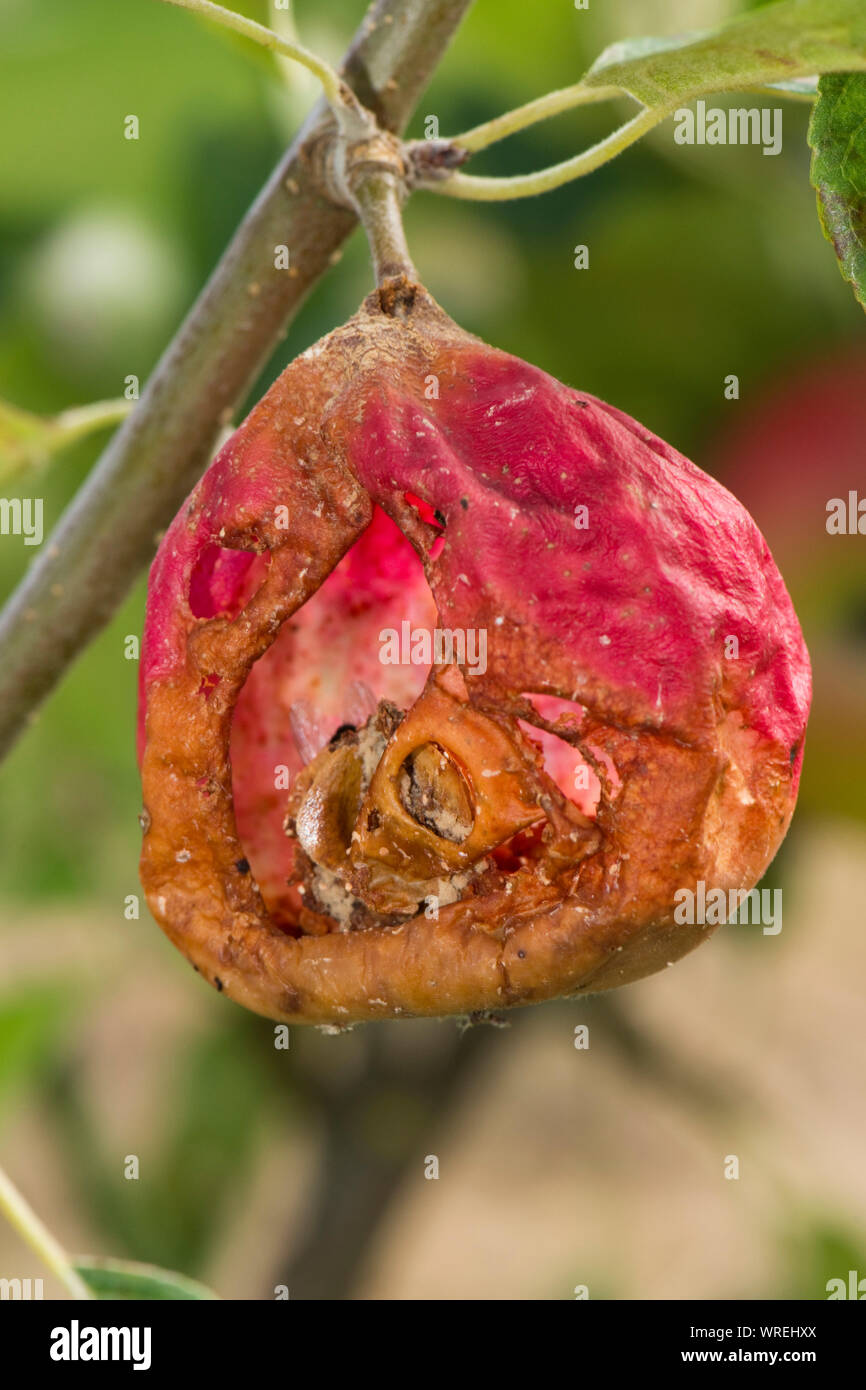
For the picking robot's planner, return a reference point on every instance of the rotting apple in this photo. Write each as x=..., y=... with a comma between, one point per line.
x=331, y=839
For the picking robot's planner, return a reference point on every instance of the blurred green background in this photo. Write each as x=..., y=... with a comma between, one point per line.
x=557, y=1167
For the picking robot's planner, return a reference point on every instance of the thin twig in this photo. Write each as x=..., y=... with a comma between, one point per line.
x=28, y=441
x=267, y=38
x=487, y=189
x=541, y=109
x=80, y=420
x=33, y=1230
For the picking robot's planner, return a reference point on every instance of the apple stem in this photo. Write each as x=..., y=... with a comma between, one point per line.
x=378, y=198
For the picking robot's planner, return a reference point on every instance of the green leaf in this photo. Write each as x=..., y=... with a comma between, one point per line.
x=29, y=441
x=837, y=135
x=772, y=45
x=125, y=1279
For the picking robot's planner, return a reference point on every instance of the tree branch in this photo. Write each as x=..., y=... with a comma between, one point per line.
x=108, y=532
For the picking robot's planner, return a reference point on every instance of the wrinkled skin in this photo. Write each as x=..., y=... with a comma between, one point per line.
x=553, y=803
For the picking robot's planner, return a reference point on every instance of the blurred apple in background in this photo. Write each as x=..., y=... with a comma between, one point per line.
x=105, y=277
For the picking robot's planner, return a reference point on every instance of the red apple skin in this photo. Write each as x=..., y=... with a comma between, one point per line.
x=798, y=445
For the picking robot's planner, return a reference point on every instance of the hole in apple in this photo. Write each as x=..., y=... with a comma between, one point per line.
x=223, y=581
